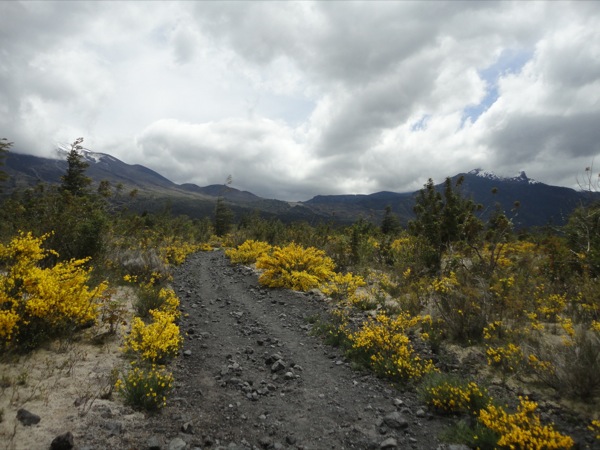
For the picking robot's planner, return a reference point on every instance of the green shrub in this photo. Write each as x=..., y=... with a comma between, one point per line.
x=145, y=388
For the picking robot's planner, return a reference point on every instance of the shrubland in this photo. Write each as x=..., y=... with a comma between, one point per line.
x=64, y=253
x=406, y=303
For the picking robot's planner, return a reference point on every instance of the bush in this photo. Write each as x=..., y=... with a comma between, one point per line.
x=571, y=365
x=341, y=286
x=295, y=267
x=145, y=388
x=157, y=341
x=523, y=429
x=39, y=302
x=451, y=394
x=248, y=252
x=152, y=295
x=383, y=344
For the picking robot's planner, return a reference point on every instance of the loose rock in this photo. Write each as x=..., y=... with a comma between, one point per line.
x=395, y=420
x=63, y=441
x=27, y=418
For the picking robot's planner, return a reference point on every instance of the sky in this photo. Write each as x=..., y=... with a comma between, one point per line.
x=296, y=99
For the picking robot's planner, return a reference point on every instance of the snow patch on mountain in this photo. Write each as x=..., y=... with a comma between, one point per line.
x=88, y=155
x=520, y=178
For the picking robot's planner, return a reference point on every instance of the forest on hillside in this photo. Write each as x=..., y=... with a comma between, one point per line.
x=524, y=306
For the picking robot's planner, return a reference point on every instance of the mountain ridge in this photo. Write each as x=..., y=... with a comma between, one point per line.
x=540, y=204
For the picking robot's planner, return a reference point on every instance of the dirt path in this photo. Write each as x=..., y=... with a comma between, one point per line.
x=252, y=375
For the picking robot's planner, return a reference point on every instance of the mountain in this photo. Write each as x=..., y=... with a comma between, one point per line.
x=154, y=192
x=539, y=204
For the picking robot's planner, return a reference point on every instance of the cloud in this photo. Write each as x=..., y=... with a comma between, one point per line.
x=258, y=152
x=295, y=99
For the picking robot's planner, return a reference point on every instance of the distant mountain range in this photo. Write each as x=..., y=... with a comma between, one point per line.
x=539, y=204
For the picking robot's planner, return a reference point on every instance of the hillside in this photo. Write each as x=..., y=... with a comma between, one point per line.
x=540, y=204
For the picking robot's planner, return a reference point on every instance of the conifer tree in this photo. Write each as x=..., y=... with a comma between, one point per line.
x=4, y=147
x=445, y=218
x=223, y=218
x=74, y=180
x=390, y=224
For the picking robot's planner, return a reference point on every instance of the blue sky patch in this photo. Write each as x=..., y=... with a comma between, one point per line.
x=510, y=61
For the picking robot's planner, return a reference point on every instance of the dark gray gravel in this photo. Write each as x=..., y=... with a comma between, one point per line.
x=252, y=376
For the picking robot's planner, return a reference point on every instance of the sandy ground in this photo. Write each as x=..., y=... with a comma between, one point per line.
x=60, y=383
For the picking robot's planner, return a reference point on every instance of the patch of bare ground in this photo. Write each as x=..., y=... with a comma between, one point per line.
x=62, y=383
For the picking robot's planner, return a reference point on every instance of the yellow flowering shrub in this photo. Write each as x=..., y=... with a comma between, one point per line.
x=170, y=302
x=445, y=284
x=461, y=305
x=174, y=251
x=509, y=358
x=8, y=320
x=248, y=252
x=551, y=306
x=145, y=388
x=153, y=295
x=156, y=341
x=384, y=343
x=523, y=429
x=295, y=267
x=341, y=286
x=37, y=300
x=205, y=247
x=448, y=394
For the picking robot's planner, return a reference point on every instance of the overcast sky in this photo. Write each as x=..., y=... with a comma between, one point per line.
x=298, y=99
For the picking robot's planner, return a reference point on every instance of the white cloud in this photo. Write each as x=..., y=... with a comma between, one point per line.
x=294, y=99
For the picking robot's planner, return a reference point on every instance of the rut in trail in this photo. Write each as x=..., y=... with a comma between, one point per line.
x=253, y=376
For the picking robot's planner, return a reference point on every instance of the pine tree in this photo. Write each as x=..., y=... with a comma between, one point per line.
x=4, y=147
x=390, y=224
x=223, y=218
x=443, y=219
x=75, y=181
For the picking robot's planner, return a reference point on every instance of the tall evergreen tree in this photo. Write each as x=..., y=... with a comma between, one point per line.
x=4, y=147
x=74, y=180
x=223, y=218
x=445, y=218
x=390, y=224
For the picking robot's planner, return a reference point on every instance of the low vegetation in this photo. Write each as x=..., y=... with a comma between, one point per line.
x=402, y=300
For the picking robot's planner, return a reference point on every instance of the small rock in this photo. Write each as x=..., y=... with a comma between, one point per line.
x=420, y=413
x=114, y=428
x=395, y=420
x=278, y=366
x=187, y=353
x=389, y=443
x=187, y=428
x=273, y=358
x=265, y=442
x=63, y=442
x=153, y=443
x=177, y=444
x=27, y=418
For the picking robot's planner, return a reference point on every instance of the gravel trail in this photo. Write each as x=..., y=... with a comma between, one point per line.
x=253, y=376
